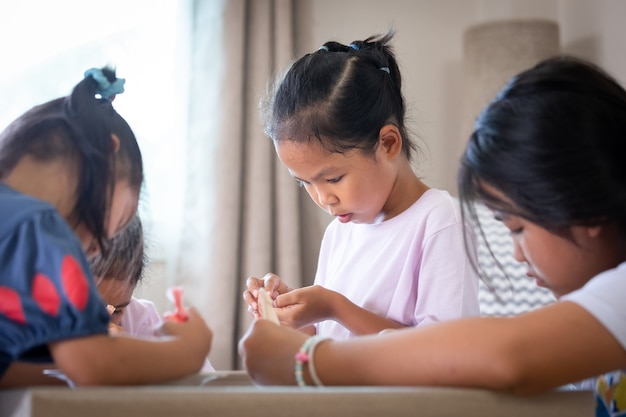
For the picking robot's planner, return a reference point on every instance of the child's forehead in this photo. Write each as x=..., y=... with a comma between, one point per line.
x=302, y=152
x=313, y=157
x=313, y=147
x=115, y=290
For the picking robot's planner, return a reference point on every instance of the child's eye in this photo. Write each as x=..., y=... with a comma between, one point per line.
x=514, y=229
x=512, y=223
x=335, y=180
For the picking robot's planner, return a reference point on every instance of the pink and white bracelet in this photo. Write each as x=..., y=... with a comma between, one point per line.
x=305, y=355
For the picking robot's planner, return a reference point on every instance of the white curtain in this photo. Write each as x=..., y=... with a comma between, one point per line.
x=243, y=213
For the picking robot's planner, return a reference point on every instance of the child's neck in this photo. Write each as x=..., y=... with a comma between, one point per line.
x=407, y=189
x=50, y=181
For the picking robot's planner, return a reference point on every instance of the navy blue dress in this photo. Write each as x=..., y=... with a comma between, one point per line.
x=47, y=292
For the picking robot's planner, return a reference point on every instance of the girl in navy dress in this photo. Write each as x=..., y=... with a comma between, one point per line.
x=70, y=176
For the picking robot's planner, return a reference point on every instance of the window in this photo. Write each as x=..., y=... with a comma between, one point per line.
x=47, y=46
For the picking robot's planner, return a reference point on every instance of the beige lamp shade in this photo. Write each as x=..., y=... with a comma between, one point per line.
x=495, y=51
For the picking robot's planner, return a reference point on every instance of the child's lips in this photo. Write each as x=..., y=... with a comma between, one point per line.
x=344, y=218
x=539, y=281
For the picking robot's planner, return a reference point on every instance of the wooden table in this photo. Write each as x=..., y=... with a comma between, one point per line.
x=232, y=394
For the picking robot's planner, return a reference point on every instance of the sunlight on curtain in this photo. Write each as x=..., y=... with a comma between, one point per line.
x=46, y=47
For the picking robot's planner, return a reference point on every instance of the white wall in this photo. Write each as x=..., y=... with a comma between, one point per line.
x=428, y=43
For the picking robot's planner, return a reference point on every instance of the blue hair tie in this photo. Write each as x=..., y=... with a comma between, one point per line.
x=386, y=69
x=323, y=48
x=106, y=89
x=353, y=46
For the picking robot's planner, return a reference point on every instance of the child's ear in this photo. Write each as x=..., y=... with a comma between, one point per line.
x=390, y=141
x=116, y=142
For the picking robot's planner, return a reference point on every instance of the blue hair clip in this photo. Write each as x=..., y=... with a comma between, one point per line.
x=323, y=48
x=106, y=89
x=353, y=46
x=386, y=69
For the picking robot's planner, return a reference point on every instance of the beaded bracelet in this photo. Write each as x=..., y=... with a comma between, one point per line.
x=305, y=355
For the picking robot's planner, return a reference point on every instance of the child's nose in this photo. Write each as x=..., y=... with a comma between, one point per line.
x=325, y=197
x=518, y=253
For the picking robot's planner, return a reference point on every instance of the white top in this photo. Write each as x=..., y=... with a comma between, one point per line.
x=142, y=319
x=604, y=296
x=412, y=268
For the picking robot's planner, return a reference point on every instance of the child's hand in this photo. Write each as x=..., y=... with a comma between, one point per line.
x=272, y=284
x=194, y=334
x=308, y=305
x=268, y=352
x=113, y=327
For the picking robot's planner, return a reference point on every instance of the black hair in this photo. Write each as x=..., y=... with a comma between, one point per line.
x=342, y=95
x=79, y=127
x=125, y=257
x=553, y=142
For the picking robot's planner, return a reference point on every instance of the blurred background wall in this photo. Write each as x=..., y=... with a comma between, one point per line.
x=429, y=44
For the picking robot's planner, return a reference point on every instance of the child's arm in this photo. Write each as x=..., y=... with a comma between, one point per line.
x=303, y=307
x=308, y=305
x=121, y=360
x=24, y=374
x=536, y=351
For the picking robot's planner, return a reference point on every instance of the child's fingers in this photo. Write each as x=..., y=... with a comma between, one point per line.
x=172, y=326
x=115, y=329
x=250, y=299
x=297, y=296
x=272, y=282
x=194, y=314
x=194, y=334
x=253, y=284
x=254, y=312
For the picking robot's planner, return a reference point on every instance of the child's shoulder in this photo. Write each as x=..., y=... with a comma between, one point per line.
x=16, y=208
x=436, y=201
x=12, y=200
x=435, y=210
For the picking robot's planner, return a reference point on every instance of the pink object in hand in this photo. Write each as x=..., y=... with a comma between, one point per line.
x=179, y=315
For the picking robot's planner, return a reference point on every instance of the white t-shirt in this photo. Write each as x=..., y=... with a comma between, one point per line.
x=412, y=268
x=142, y=319
x=604, y=296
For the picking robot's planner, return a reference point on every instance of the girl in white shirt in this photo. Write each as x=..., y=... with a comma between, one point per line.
x=395, y=254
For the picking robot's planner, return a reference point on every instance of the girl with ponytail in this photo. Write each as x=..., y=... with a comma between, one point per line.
x=70, y=176
x=394, y=256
